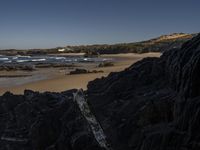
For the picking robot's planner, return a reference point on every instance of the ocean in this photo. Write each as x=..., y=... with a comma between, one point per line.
x=48, y=59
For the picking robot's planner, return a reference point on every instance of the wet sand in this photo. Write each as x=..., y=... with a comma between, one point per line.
x=56, y=79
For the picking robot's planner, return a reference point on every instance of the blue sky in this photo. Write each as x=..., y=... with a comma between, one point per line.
x=51, y=23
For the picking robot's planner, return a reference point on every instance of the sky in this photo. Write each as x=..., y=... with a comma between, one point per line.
x=28, y=24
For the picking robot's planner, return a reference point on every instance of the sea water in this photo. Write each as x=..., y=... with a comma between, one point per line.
x=47, y=59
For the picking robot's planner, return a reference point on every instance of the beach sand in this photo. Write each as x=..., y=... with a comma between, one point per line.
x=56, y=79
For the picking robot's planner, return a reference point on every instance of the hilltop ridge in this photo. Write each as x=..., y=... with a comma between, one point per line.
x=159, y=44
x=173, y=36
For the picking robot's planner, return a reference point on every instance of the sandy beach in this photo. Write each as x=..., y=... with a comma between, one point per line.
x=56, y=79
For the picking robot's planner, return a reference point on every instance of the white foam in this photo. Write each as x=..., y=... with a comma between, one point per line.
x=15, y=57
x=58, y=58
x=20, y=61
x=4, y=59
x=42, y=59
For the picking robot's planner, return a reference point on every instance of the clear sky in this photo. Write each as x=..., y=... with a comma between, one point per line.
x=52, y=23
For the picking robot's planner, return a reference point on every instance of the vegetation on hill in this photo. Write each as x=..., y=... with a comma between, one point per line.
x=159, y=44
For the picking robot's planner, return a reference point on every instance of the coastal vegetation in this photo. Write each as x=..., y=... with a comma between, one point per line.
x=159, y=44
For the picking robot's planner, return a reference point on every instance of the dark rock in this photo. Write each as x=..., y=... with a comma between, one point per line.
x=106, y=64
x=84, y=71
x=96, y=71
x=43, y=121
x=78, y=71
x=154, y=104
x=14, y=67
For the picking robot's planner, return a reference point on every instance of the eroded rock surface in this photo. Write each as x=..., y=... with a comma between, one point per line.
x=154, y=104
x=48, y=121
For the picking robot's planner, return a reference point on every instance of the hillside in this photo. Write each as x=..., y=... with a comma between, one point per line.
x=159, y=44
x=173, y=36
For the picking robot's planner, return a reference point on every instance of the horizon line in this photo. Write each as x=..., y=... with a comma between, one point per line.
x=71, y=45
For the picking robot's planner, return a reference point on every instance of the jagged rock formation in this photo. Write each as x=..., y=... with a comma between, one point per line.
x=48, y=121
x=152, y=105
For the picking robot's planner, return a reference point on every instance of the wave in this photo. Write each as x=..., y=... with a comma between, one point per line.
x=58, y=58
x=42, y=59
x=21, y=61
x=4, y=59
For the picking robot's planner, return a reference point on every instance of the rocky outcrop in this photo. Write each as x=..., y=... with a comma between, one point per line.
x=106, y=64
x=154, y=104
x=48, y=121
x=84, y=71
x=15, y=67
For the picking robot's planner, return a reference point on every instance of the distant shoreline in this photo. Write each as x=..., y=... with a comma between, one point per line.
x=158, y=44
x=57, y=80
